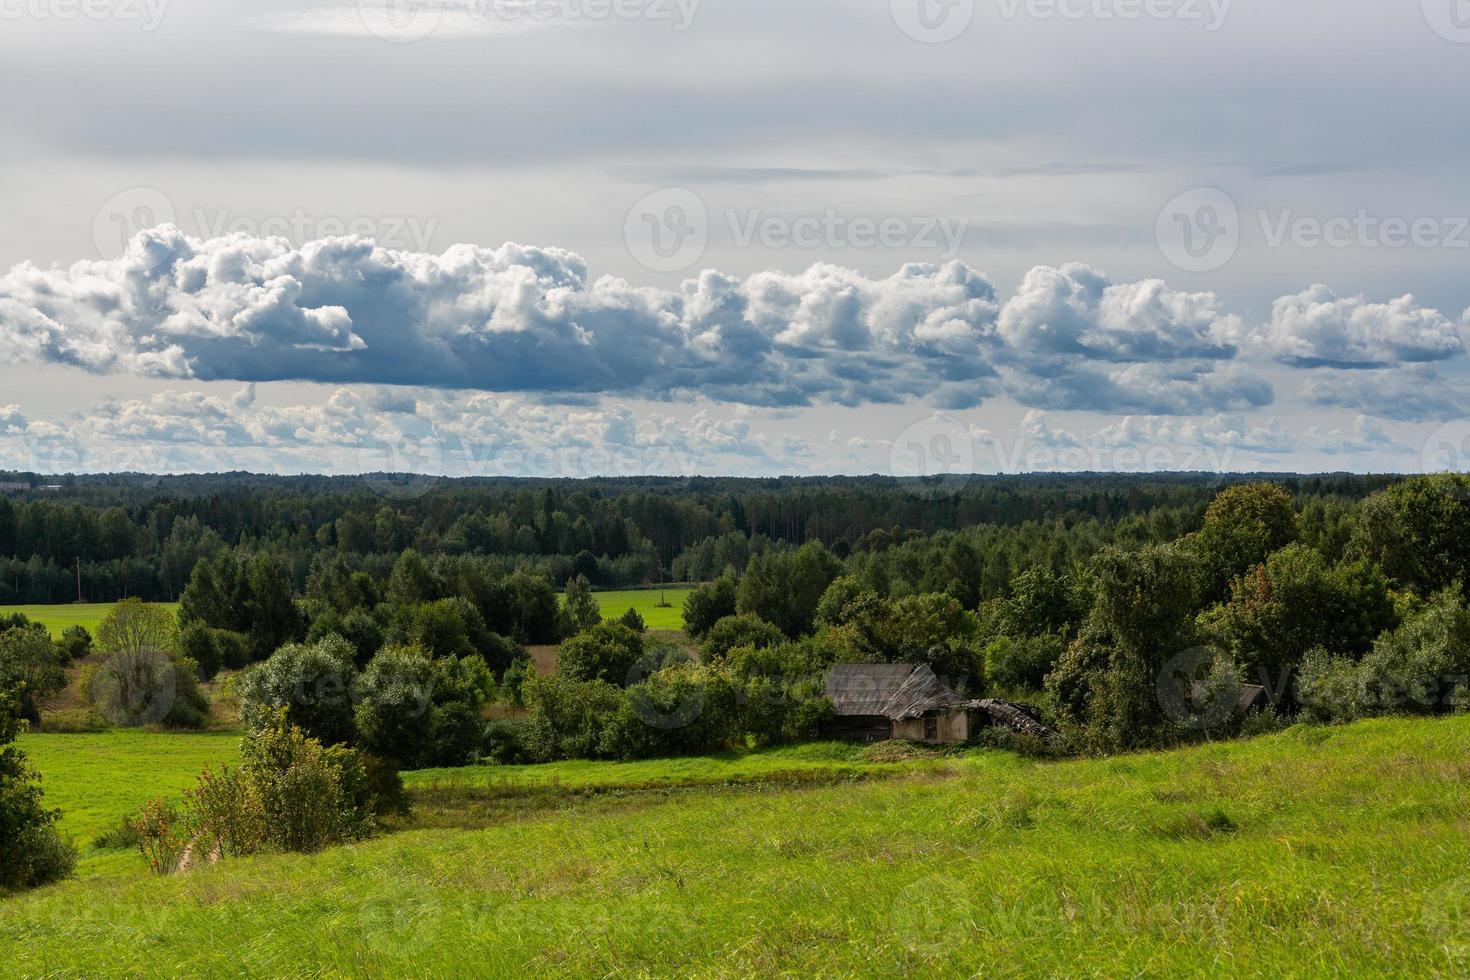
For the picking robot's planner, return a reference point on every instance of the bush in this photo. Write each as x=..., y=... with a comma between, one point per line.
x=357, y=627
x=200, y=645
x=311, y=682
x=633, y=620
x=420, y=712
x=568, y=717
x=1423, y=667
x=506, y=742
x=290, y=793
x=312, y=796
x=235, y=649
x=708, y=604
x=31, y=665
x=31, y=851
x=743, y=630
x=133, y=688
x=606, y=652
x=75, y=642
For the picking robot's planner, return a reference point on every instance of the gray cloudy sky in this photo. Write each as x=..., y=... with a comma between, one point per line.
x=748, y=237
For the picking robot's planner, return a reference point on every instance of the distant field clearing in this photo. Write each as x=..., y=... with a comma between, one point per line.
x=58, y=618
x=614, y=604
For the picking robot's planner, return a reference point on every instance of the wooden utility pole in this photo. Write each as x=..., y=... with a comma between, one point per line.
x=79, y=579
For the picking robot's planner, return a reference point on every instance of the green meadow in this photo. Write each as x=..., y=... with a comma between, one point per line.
x=1311, y=852
x=58, y=618
x=646, y=601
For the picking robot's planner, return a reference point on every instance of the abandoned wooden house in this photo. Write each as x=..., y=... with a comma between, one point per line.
x=874, y=702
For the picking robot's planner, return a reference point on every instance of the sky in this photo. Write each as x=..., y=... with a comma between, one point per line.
x=582, y=237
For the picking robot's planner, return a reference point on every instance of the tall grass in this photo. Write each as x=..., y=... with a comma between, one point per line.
x=1314, y=852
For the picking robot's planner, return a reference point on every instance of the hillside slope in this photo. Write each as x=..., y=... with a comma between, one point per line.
x=1325, y=851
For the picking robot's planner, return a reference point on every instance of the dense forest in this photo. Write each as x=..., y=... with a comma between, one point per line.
x=103, y=538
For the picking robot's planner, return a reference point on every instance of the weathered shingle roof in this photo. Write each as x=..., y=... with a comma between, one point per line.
x=894, y=691
x=864, y=689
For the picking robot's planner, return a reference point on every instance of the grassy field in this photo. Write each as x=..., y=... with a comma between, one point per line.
x=1314, y=852
x=646, y=601
x=58, y=618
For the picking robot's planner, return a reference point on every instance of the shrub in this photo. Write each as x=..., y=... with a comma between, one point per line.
x=31, y=665
x=162, y=837
x=420, y=712
x=199, y=643
x=606, y=652
x=235, y=649
x=133, y=688
x=568, y=716
x=227, y=817
x=708, y=604
x=676, y=710
x=290, y=793
x=1422, y=667
x=311, y=682
x=31, y=851
x=506, y=742
x=743, y=630
x=312, y=796
x=75, y=642
x=633, y=620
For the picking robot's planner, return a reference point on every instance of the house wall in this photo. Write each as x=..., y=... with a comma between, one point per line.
x=953, y=726
x=911, y=729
